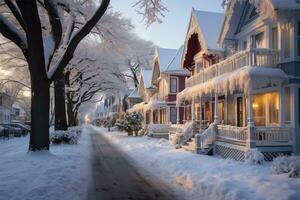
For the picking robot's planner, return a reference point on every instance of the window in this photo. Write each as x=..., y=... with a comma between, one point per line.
x=287, y=42
x=257, y=40
x=298, y=40
x=266, y=109
x=173, y=115
x=274, y=38
x=173, y=85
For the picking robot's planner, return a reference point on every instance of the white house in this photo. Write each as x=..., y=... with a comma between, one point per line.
x=244, y=87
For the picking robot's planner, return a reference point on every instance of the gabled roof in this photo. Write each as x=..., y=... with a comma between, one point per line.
x=164, y=57
x=210, y=24
x=134, y=93
x=147, y=77
x=174, y=64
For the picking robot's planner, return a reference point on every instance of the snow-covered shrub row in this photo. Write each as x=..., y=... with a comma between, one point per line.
x=71, y=136
x=254, y=156
x=131, y=123
x=287, y=165
x=107, y=122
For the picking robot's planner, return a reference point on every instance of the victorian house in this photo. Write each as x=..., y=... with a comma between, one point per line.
x=158, y=90
x=243, y=91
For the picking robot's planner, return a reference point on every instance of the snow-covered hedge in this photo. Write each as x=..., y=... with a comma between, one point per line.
x=131, y=123
x=254, y=156
x=70, y=136
x=287, y=165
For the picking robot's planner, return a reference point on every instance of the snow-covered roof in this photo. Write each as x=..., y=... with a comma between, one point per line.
x=242, y=79
x=164, y=57
x=147, y=76
x=134, y=93
x=285, y=4
x=175, y=62
x=210, y=24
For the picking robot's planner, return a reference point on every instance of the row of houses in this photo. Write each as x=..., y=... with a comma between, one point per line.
x=234, y=85
x=10, y=111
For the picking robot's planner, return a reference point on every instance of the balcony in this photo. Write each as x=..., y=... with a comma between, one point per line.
x=253, y=57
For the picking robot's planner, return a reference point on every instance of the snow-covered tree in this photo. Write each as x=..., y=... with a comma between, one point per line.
x=40, y=45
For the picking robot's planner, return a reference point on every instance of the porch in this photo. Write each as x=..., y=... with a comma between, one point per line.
x=238, y=104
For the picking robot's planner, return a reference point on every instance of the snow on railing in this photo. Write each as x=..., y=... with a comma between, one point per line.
x=261, y=57
x=273, y=135
x=232, y=132
x=208, y=137
x=158, y=127
x=182, y=132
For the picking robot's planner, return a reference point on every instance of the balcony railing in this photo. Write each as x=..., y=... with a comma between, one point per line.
x=253, y=57
x=269, y=136
x=232, y=132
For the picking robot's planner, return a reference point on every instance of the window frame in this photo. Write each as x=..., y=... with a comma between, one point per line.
x=177, y=85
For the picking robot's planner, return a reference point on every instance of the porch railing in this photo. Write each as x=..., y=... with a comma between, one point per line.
x=232, y=132
x=254, y=57
x=273, y=136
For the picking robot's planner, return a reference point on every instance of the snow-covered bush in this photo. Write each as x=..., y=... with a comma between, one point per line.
x=254, y=156
x=70, y=136
x=131, y=123
x=287, y=165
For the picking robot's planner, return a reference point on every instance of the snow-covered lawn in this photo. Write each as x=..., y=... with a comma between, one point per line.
x=204, y=177
x=62, y=173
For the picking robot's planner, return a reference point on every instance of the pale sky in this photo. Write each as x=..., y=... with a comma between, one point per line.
x=171, y=33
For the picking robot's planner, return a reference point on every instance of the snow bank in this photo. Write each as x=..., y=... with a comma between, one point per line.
x=287, y=165
x=254, y=156
x=195, y=176
x=62, y=173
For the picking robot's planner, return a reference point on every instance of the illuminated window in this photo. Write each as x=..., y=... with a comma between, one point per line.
x=266, y=109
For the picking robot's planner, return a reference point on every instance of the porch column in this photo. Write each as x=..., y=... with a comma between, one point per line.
x=178, y=114
x=251, y=128
x=250, y=109
x=193, y=109
x=184, y=114
x=151, y=117
x=167, y=115
x=216, y=108
x=282, y=107
x=200, y=118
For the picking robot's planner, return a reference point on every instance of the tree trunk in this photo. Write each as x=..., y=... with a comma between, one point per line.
x=39, y=134
x=60, y=106
x=71, y=114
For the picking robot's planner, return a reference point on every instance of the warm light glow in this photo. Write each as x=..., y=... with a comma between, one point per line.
x=27, y=93
x=255, y=105
x=87, y=119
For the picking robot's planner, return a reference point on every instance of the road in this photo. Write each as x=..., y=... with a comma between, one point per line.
x=115, y=177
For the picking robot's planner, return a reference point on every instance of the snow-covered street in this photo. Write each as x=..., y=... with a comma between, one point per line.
x=62, y=173
x=195, y=176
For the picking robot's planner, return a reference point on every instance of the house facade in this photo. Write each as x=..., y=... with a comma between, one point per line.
x=5, y=108
x=243, y=91
x=158, y=90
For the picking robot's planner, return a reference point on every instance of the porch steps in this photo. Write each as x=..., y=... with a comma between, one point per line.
x=190, y=145
x=208, y=151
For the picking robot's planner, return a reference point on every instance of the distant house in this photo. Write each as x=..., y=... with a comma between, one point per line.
x=5, y=108
x=18, y=114
x=158, y=89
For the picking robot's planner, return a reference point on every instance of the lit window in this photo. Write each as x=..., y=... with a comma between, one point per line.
x=173, y=85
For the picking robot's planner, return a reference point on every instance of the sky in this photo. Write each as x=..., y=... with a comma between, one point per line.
x=171, y=33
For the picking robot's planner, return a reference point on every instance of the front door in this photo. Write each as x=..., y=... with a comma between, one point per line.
x=240, y=112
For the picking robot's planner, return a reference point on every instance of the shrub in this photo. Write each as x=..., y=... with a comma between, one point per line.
x=286, y=165
x=254, y=156
x=132, y=123
x=70, y=136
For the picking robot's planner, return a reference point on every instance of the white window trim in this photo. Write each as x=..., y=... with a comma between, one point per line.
x=177, y=79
